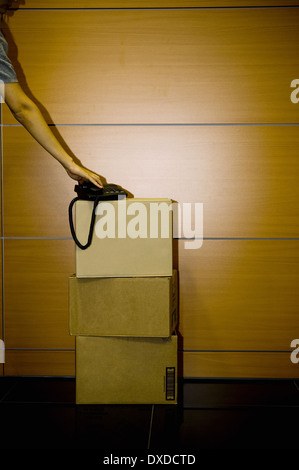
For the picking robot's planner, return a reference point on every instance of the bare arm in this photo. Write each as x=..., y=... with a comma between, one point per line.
x=28, y=114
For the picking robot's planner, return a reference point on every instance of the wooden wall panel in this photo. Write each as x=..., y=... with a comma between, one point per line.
x=1, y=314
x=239, y=295
x=2, y=338
x=40, y=363
x=205, y=365
x=36, y=293
x=158, y=66
x=239, y=364
x=150, y=3
x=223, y=70
x=245, y=176
x=37, y=190
x=1, y=241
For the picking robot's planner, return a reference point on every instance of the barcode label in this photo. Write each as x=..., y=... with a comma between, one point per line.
x=170, y=383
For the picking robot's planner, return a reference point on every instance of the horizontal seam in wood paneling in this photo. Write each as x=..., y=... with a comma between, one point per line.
x=178, y=124
x=177, y=238
x=240, y=7
x=36, y=238
x=233, y=351
x=40, y=349
x=248, y=351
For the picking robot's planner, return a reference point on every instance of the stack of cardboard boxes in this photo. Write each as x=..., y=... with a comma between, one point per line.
x=123, y=304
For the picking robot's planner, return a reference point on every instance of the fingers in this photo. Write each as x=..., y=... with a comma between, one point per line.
x=96, y=180
x=83, y=174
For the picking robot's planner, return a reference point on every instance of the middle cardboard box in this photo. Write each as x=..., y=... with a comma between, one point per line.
x=125, y=306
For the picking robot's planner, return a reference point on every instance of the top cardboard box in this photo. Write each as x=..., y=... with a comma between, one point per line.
x=132, y=237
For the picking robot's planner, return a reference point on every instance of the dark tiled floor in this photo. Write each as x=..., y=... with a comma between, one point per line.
x=40, y=413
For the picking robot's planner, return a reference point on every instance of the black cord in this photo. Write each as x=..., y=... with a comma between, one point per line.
x=92, y=221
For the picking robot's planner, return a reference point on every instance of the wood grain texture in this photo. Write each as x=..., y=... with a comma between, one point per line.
x=201, y=365
x=36, y=293
x=245, y=176
x=218, y=65
x=1, y=231
x=1, y=303
x=152, y=66
x=40, y=363
x=239, y=365
x=150, y=3
x=239, y=295
x=37, y=190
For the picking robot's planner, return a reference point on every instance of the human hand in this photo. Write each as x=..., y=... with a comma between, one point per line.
x=81, y=174
x=5, y=4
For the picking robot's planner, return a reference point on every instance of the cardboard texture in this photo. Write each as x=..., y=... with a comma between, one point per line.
x=123, y=370
x=142, y=307
x=132, y=237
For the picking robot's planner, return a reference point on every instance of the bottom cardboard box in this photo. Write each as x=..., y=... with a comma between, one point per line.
x=126, y=370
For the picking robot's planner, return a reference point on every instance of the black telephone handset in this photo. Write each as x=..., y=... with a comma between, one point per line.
x=90, y=192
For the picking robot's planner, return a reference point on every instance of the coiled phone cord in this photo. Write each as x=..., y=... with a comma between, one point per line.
x=92, y=221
